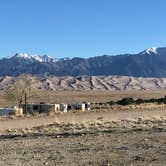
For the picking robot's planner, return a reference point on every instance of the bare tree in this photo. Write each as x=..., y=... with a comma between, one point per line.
x=20, y=91
x=10, y=96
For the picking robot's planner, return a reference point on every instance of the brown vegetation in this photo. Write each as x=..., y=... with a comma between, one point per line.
x=80, y=96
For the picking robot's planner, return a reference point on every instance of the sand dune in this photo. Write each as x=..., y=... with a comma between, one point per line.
x=91, y=83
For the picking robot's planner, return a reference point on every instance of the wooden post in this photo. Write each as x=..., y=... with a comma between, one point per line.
x=25, y=103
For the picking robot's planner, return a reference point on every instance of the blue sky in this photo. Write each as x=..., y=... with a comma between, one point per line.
x=85, y=28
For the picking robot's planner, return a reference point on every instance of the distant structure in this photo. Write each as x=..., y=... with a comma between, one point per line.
x=33, y=108
x=6, y=111
x=11, y=111
x=38, y=108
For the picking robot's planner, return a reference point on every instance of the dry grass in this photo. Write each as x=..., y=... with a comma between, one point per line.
x=79, y=96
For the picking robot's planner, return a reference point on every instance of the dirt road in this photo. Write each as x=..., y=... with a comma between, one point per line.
x=79, y=118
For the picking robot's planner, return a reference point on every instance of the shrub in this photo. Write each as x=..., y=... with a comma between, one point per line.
x=161, y=100
x=126, y=101
x=140, y=101
x=152, y=100
x=111, y=102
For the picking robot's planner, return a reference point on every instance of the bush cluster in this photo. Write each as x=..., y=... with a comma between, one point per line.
x=129, y=100
x=126, y=101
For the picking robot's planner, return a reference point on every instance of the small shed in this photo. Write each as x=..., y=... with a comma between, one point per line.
x=6, y=111
x=63, y=107
x=80, y=106
x=37, y=108
x=57, y=107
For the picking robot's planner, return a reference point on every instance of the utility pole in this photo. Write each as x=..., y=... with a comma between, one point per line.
x=25, y=103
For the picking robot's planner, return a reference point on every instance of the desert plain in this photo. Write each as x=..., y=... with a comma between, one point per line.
x=97, y=137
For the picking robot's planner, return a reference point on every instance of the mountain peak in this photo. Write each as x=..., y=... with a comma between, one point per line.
x=151, y=50
x=22, y=55
x=148, y=63
x=35, y=57
x=155, y=50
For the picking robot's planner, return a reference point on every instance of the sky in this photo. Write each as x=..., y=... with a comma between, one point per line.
x=81, y=28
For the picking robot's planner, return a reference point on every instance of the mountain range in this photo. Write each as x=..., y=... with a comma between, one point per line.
x=148, y=63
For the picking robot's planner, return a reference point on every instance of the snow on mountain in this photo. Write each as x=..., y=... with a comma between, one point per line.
x=152, y=50
x=23, y=56
x=46, y=58
x=32, y=58
x=148, y=63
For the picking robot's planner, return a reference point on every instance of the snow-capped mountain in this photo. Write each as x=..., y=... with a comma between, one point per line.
x=151, y=50
x=148, y=63
x=33, y=58
x=154, y=50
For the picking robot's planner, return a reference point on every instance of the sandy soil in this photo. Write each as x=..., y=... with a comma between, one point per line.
x=88, y=138
x=78, y=118
x=121, y=143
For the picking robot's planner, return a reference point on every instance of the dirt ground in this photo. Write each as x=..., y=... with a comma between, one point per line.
x=118, y=138
x=118, y=145
x=79, y=118
x=123, y=138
